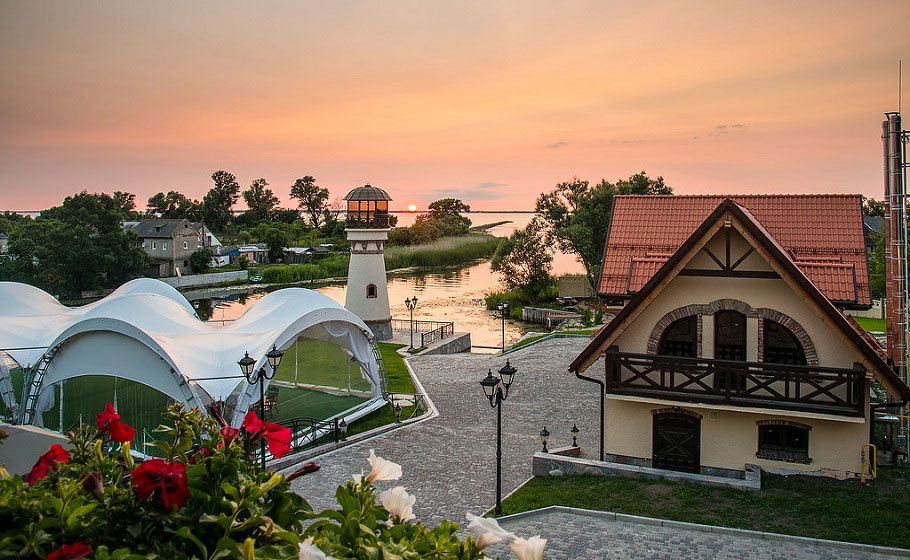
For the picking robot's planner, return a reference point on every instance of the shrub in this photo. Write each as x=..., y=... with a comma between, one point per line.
x=207, y=499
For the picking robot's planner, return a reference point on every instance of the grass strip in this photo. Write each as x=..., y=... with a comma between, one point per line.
x=817, y=507
x=871, y=324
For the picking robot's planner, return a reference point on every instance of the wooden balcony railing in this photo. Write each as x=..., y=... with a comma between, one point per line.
x=805, y=388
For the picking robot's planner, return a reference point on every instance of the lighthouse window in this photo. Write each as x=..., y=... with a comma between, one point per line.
x=371, y=290
x=382, y=205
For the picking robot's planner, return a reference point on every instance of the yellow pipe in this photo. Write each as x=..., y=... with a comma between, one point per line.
x=873, y=456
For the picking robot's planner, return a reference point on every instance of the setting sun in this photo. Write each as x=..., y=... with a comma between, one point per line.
x=412, y=207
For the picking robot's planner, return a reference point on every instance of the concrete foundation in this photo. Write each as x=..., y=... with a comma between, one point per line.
x=382, y=330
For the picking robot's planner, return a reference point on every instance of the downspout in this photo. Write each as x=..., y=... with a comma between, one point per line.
x=602, y=398
x=876, y=406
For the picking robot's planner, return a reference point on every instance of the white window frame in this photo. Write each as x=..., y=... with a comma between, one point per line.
x=154, y=245
x=186, y=245
x=164, y=245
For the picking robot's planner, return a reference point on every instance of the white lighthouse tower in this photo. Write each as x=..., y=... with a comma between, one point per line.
x=367, y=294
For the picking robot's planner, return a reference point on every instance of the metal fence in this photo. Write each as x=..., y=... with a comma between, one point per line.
x=430, y=331
x=309, y=432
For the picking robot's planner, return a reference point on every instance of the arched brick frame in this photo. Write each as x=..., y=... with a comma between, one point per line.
x=675, y=410
x=669, y=318
x=761, y=313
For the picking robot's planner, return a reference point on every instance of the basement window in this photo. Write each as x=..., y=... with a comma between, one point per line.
x=783, y=441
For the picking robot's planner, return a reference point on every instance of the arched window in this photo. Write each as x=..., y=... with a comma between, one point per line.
x=680, y=338
x=781, y=345
x=371, y=290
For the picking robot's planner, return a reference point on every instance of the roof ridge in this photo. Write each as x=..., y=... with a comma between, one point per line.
x=765, y=195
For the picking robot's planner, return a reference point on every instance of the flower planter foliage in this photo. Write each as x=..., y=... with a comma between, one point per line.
x=208, y=499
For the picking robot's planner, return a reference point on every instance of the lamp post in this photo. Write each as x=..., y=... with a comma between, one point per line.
x=574, y=435
x=503, y=307
x=544, y=436
x=411, y=303
x=246, y=364
x=497, y=392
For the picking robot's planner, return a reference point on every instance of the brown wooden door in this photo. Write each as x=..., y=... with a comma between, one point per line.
x=676, y=443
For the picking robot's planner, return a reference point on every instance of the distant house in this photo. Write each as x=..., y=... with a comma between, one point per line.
x=168, y=243
x=223, y=255
x=4, y=241
x=301, y=255
x=255, y=254
x=208, y=238
x=731, y=347
x=873, y=226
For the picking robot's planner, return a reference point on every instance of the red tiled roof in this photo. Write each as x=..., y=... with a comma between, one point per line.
x=809, y=227
x=641, y=270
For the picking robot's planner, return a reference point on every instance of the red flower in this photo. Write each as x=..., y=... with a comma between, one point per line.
x=200, y=455
x=306, y=469
x=170, y=478
x=70, y=552
x=278, y=437
x=229, y=433
x=46, y=462
x=109, y=421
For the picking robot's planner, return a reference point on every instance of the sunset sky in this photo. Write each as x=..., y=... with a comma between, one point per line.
x=490, y=102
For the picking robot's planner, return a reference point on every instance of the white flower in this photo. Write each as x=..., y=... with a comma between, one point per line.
x=398, y=503
x=382, y=469
x=528, y=549
x=486, y=531
x=309, y=551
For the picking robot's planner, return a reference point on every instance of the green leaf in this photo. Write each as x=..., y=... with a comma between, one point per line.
x=73, y=517
x=187, y=534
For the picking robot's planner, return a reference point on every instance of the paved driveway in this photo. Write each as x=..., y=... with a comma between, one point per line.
x=449, y=462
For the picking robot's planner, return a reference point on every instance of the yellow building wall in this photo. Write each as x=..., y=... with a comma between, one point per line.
x=732, y=439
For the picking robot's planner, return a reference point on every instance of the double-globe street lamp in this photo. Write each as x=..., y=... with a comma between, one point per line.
x=246, y=364
x=503, y=307
x=497, y=390
x=411, y=303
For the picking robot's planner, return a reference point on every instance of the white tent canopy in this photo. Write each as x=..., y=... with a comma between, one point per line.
x=148, y=332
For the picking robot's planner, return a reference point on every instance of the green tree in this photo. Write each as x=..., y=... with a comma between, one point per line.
x=872, y=207
x=276, y=239
x=311, y=198
x=200, y=260
x=217, y=203
x=877, y=267
x=260, y=201
x=127, y=205
x=523, y=261
x=173, y=205
x=77, y=246
x=577, y=215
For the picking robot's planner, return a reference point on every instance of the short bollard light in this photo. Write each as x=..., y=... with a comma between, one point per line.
x=574, y=435
x=343, y=428
x=397, y=413
x=544, y=435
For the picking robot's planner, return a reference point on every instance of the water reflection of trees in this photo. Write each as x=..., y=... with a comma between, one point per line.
x=204, y=308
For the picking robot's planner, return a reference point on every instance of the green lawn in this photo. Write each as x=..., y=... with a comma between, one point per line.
x=871, y=325
x=294, y=402
x=316, y=362
x=396, y=372
x=874, y=513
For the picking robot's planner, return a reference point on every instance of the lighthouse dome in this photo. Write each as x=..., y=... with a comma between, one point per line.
x=367, y=192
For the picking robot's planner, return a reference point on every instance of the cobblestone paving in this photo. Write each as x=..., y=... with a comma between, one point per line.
x=449, y=462
x=572, y=536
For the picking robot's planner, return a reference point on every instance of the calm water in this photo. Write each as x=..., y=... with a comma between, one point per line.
x=453, y=295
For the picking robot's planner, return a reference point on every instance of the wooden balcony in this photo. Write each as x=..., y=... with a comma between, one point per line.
x=750, y=384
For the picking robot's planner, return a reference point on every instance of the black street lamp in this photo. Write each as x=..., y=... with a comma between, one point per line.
x=411, y=303
x=503, y=307
x=544, y=435
x=343, y=428
x=496, y=393
x=574, y=435
x=397, y=413
x=246, y=364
